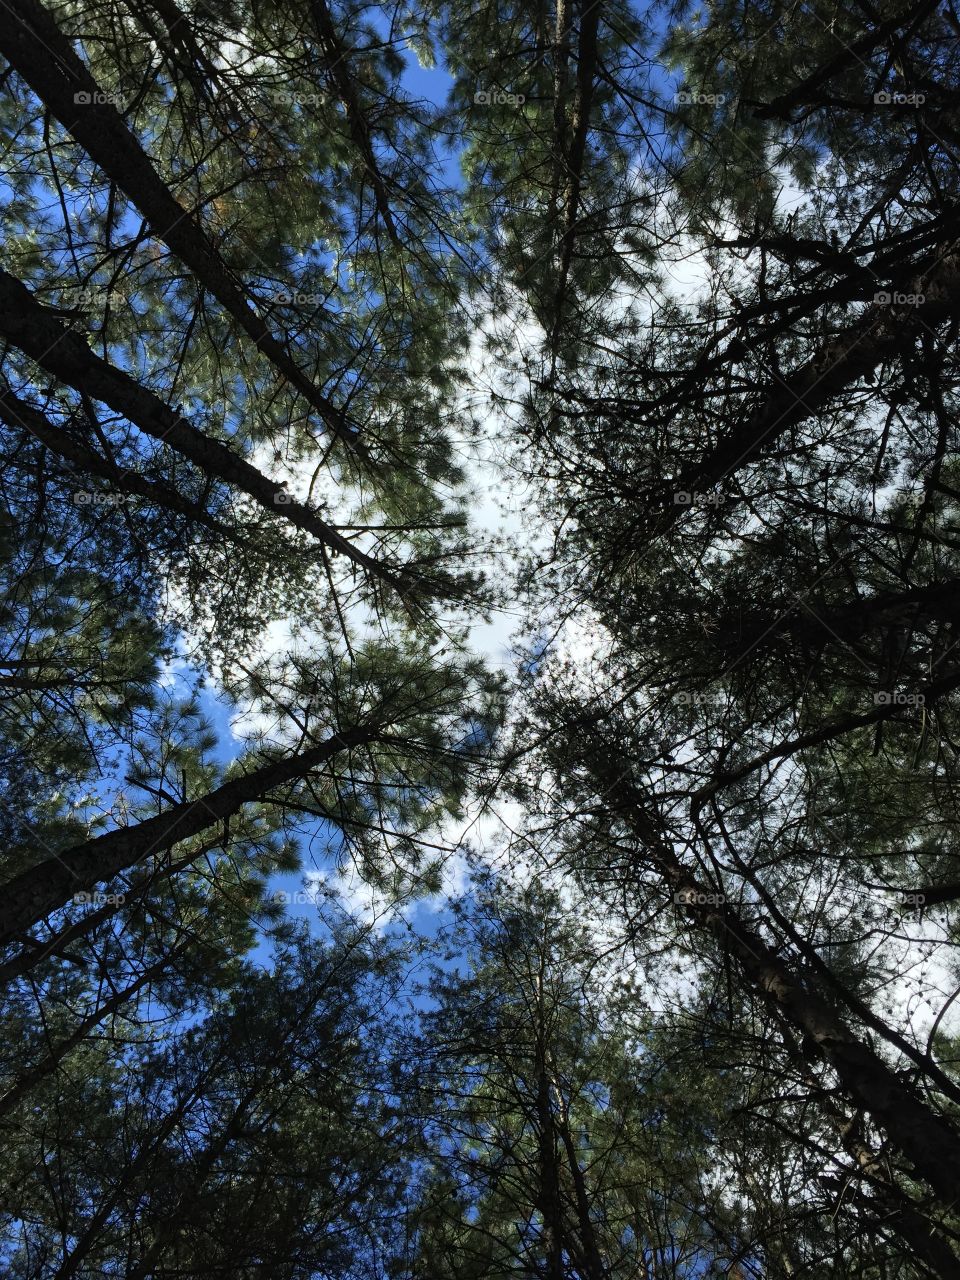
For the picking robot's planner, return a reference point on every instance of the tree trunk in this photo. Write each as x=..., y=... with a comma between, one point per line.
x=56, y=348
x=48, y=886
x=18, y=414
x=879, y=334
x=40, y=53
x=926, y=1139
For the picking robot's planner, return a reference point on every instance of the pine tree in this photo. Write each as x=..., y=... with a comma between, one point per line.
x=754, y=507
x=555, y=1152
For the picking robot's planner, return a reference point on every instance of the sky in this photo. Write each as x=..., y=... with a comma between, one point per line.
x=492, y=512
x=497, y=510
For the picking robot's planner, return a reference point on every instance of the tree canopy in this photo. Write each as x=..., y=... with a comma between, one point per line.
x=496, y=469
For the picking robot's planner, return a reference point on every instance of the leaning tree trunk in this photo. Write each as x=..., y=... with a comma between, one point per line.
x=927, y=1140
x=33, y=894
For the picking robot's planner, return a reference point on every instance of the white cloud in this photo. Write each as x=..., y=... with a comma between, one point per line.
x=354, y=895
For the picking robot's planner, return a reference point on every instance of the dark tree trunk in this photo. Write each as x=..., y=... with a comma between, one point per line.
x=48, y=886
x=40, y=53
x=65, y=354
x=926, y=1139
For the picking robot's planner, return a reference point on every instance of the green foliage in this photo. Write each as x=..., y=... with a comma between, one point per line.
x=701, y=1021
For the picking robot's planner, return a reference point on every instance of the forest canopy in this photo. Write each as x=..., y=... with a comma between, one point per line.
x=480, y=640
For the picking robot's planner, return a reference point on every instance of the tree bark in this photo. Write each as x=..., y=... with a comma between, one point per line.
x=18, y=414
x=36, y=950
x=879, y=334
x=356, y=120
x=822, y=624
x=833, y=729
x=592, y=1259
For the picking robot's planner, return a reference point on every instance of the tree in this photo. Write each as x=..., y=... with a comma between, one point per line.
x=753, y=505
x=556, y=1154
x=263, y=1135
